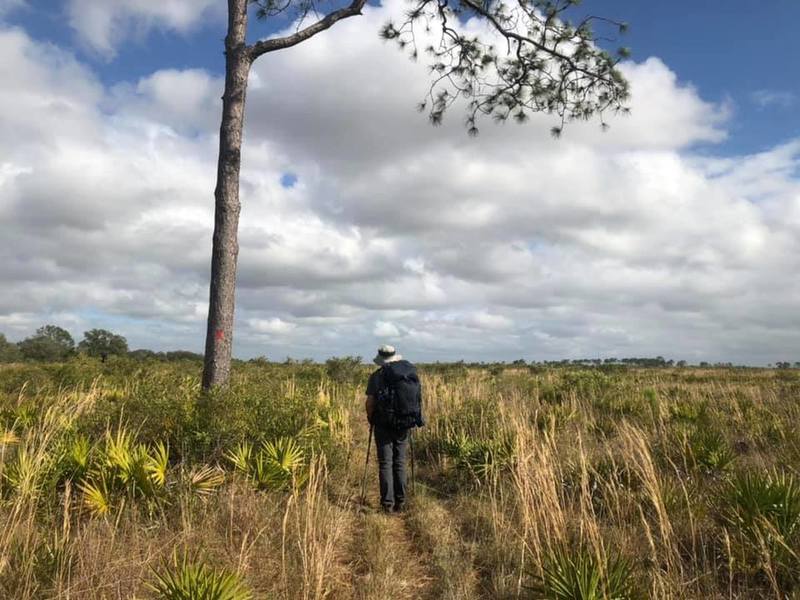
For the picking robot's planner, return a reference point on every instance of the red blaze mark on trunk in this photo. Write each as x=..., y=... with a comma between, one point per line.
x=219, y=335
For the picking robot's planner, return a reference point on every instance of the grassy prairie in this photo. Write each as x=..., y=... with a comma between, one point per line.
x=120, y=481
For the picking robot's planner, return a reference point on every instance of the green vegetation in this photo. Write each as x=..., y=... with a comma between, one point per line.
x=531, y=482
x=187, y=580
x=51, y=343
x=101, y=344
x=342, y=369
x=582, y=577
x=9, y=352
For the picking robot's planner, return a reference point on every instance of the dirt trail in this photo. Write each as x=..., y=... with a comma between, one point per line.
x=383, y=558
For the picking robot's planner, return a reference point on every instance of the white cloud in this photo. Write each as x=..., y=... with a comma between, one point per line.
x=773, y=98
x=485, y=321
x=386, y=329
x=273, y=326
x=103, y=25
x=187, y=101
x=511, y=244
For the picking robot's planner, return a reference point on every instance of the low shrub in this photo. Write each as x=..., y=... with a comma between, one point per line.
x=763, y=510
x=581, y=575
x=192, y=579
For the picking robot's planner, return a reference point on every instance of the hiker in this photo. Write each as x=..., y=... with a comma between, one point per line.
x=394, y=407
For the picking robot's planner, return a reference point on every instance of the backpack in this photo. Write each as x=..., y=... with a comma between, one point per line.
x=398, y=403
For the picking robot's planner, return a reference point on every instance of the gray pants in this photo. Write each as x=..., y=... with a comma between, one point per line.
x=392, y=447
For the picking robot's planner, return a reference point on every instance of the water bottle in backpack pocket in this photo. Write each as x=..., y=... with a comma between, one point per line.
x=399, y=399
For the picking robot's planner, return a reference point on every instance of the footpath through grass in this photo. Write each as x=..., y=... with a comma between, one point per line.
x=121, y=481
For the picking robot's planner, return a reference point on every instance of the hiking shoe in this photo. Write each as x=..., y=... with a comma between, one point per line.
x=386, y=509
x=400, y=507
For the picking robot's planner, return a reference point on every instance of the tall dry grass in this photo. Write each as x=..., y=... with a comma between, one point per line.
x=282, y=544
x=615, y=466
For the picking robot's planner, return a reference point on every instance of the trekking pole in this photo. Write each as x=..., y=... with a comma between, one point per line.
x=413, y=477
x=366, y=465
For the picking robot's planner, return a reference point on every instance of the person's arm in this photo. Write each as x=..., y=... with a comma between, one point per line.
x=369, y=401
x=419, y=397
x=369, y=407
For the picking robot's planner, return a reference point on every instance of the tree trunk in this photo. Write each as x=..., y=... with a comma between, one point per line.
x=219, y=335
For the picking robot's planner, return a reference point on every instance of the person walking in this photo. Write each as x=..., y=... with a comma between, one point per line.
x=394, y=407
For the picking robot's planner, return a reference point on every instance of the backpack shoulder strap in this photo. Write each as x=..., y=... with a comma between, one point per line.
x=387, y=377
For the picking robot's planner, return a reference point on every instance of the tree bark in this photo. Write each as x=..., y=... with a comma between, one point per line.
x=238, y=60
x=219, y=335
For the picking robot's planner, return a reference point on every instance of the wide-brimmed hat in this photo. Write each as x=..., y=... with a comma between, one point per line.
x=386, y=354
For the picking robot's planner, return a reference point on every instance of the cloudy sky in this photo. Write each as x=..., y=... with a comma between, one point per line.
x=673, y=233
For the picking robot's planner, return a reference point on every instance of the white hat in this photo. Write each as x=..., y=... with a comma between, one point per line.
x=386, y=354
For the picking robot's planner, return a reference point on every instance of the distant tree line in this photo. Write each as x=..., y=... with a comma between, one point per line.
x=52, y=343
x=610, y=363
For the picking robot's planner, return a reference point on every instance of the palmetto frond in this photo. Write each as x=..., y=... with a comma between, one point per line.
x=764, y=508
x=205, y=480
x=118, y=449
x=158, y=464
x=79, y=451
x=131, y=466
x=241, y=457
x=96, y=495
x=583, y=576
x=24, y=472
x=281, y=462
x=186, y=579
x=285, y=453
x=75, y=457
x=263, y=474
x=277, y=464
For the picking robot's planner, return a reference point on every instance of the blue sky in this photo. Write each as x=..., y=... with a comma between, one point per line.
x=729, y=49
x=675, y=233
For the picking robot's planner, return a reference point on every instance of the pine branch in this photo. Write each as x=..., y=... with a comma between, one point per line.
x=271, y=45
